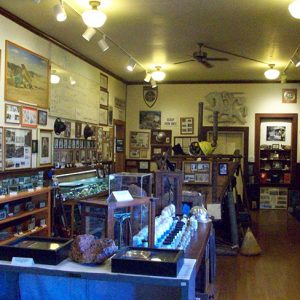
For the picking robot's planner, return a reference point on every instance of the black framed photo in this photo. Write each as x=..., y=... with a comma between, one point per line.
x=42, y=117
x=34, y=146
x=223, y=169
x=275, y=146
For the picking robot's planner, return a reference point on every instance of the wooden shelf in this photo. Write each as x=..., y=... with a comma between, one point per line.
x=22, y=215
x=27, y=233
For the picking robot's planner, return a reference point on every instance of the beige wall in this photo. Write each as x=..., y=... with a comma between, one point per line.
x=181, y=100
x=23, y=37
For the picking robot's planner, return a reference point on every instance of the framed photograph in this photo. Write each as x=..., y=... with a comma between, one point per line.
x=275, y=146
x=202, y=178
x=289, y=95
x=67, y=132
x=12, y=113
x=34, y=146
x=150, y=120
x=78, y=129
x=103, y=81
x=139, y=140
x=144, y=165
x=82, y=155
x=29, y=116
x=134, y=153
x=110, y=116
x=45, y=149
x=17, y=148
x=276, y=133
x=223, y=169
x=42, y=117
x=56, y=143
x=103, y=116
x=187, y=125
x=26, y=76
x=104, y=98
x=1, y=148
x=189, y=177
x=60, y=143
x=161, y=137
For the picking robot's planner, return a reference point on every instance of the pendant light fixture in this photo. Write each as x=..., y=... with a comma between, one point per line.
x=94, y=17
x=59, y=12
x=158, y=75
x=294, y=9
x=272, y=73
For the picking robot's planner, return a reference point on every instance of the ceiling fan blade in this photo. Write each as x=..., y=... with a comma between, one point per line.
x=217, y=58
x=206, y=64
x=184, y=61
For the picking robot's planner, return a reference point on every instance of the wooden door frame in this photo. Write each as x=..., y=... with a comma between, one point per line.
x=294, y=142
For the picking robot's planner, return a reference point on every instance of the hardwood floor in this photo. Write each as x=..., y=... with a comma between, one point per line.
x=273, y=275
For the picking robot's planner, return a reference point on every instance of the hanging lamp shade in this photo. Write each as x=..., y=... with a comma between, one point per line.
x=158, y=75
x=94, y=17
x=272, y=73
x=294, y=9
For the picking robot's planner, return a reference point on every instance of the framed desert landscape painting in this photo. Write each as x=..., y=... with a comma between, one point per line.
x=26, y=76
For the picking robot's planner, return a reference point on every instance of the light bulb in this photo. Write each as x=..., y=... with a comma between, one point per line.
x=158, y=75
x=294, y=9
x=271, y=73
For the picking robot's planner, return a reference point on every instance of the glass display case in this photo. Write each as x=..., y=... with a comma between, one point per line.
x=119, y=221
x=138, y=184
x=81, y=184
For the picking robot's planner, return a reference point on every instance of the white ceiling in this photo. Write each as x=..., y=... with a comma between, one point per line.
x=161, y=32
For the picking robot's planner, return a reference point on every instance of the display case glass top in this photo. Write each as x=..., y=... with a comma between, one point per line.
x=81, y=184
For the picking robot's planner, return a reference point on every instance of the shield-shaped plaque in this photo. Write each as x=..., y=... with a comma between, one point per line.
x=150, y=95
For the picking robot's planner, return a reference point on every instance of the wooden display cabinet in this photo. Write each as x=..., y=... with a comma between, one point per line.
x=168, y=189
x=27, y=219
x=99, y=217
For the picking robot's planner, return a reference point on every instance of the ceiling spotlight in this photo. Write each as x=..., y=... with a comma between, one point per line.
x=59, y=12
x=103, y=44
x=153, y=83
x=72, y=81
x=55, y=79
x=94, y=17
x=89, y=33
x=147, y=77
x=131, y=65
x=294, y=9
x=272, y=73
x=295, y=60
x=158, y=75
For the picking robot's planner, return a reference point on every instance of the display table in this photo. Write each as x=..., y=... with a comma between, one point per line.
x=72, y=281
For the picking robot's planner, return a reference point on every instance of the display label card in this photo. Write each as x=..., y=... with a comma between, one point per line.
x=13, y=193
x=22, y=261
x=120, y=196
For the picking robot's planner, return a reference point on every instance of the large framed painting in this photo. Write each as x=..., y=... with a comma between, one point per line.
x=17, y=148
x=26, y=76
x=150, y=119
x=45, y=147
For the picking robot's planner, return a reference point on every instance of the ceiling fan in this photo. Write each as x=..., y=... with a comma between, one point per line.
x=202, y=58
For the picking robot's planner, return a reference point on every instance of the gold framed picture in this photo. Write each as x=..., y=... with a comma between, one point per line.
x=289, y=95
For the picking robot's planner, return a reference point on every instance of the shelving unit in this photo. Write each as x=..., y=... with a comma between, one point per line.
x=24, y=222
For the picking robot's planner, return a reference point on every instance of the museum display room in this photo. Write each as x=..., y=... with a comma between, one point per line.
x=113, y=186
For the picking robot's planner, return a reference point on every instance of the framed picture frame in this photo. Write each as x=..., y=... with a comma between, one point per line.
x=12, y=113
x=26, y=76
x=150, y=119
x=56, y=140
x=103, y=81
x=187, y=125
x=78, y=129
x=161, y=137
x=289, y=95
x=103, y=116
x=34, y=146
x=29, y=117
x=134, y=153
x=139, y=140
x=67, y=132
x=1, y=148
x=104, y=96
x=42, y=117
x=110, y=116
x=223, y=169
x=45, y=147
x=275, y=146
x=276, y=133
x=17, y=151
